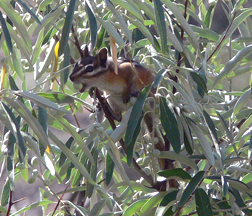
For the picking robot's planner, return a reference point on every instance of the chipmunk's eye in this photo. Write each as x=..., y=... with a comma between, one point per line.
x=89, y=68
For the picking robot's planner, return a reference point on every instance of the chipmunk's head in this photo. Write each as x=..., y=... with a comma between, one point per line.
x=89, y=67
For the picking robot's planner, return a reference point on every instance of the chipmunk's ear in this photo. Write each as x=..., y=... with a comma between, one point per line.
x=102, y=56
x=86, y=52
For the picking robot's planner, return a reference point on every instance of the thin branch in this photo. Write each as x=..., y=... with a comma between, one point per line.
x=180, y=58
x=77, y=43
x=60, y=200
x=224, y=37
x=10, y=204
x=105, y=105
x=175, y=21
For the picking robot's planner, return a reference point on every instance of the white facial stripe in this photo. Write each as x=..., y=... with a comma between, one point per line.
x=96, y=71
x=78, y=72
x=92, y=65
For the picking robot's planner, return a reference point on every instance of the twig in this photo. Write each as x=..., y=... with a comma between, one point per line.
x=224, y=37
x=180, y=58
x=175, y=21
x=60, y=199
x=10, y=204
x=77, y=43
x=105, y=105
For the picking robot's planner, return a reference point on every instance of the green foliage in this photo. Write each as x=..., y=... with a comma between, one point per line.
x=199, y=112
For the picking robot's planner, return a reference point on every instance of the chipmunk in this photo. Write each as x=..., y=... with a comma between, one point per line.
x=99, y=71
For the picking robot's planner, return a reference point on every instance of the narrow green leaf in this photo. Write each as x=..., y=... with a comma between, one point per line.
x=222, y=204
x=167, y=203
x=240, y=202
x=182, y=21
x=225, y=126
x=97, y=208
x=20, y=141
x=29, y=11
x=250, y=142
x=239, y=185
x=67, y=27
x=188, y=140
x=43, y=102
x=92, y=23
x=242, y=101
x=206, y=145
x=178, y=172
x=109, y=169
x=10, y=160
x=25, y=173
x=57, y=97
x=161, y=24
x=100, y=37
x=122, y=22
x=5, y=193
x=203, y=204
x=169, y=197
x=21, y=48
x=242, y=54
x=130, y=146
x=153, y=201
x=134, y=207
x=2, y=209
x=12, y=83
x=93, y=174
x=159, y=77
x=237, y=21
x=7, y=122
x=32, y=206
x=210, y=124
x=174, y=40
x=42, y=119
x=53, y=14
x=225, y=185
x=37, y=47
x=82, y=211
x=6, y=33
x=17, y=63
x=134, y=121
x=170, y=124
x=165, y=60
x=47, y=61
x=206, y=33
x=199, y=80
x=66, y=62
x=111, y=30
x=63, y=157
x=74, y=134
x=208, y=15
x=129, y=7
x=75, y=177
x=48, y=36
x=143, y=29
x=245, y=126
x=29, y=118
x=193, y=184
x=178, y=157
x=17, y=22
x=146, y=8
x=70, y=155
